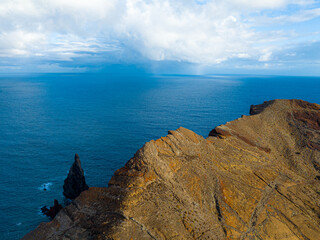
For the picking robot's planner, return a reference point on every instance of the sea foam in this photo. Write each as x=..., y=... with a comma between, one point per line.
x=45, y=186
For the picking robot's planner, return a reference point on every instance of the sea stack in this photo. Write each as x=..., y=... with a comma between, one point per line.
x=75, y=183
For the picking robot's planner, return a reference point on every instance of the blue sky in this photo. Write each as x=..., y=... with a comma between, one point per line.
x=160, y=36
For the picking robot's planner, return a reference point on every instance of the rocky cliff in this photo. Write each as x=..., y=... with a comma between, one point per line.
x=257, y=177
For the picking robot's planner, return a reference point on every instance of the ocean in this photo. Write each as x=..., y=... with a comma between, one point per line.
x=105, y=118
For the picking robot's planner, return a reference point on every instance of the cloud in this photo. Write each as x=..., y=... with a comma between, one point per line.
x=20, y=43
x=266, y=56
x=207, y=32
x=267, y=4
x=301, y=15
x=164, y=31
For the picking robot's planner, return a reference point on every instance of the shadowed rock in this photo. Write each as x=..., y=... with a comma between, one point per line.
x=257, y=177
x=256, y=109
x=75, y=183
x=53, y=211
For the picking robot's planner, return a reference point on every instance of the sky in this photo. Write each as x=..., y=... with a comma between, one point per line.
x=160, y=36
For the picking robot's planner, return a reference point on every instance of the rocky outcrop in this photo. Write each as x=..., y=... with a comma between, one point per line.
x=52, y=211
x=75, y=183
x=257, y=177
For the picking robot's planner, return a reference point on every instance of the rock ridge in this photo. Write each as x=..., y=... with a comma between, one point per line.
x=256, y=177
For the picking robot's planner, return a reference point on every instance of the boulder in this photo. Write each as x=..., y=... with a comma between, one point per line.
x=53, y=211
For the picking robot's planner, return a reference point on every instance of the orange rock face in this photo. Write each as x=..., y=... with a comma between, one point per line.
x=257, y=177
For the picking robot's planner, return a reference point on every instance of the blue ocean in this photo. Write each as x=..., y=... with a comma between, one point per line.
x=105, y=118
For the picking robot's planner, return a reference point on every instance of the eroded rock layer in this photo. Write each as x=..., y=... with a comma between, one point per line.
x=257, y=177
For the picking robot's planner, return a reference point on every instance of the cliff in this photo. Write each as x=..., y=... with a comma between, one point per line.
x=257, y=177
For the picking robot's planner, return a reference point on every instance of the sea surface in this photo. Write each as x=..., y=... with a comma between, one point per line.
x=46, y=119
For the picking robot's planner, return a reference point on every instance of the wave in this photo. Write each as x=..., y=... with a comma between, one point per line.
x=45, y=186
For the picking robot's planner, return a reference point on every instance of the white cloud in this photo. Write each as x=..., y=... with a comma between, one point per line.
x=299, y=16
x=302, y=16
x=266, y=56
x=267, y=4
x=20, y=43
x=206, y=32
x=172, y=32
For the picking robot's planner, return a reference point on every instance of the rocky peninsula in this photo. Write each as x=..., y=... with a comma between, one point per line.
x=257, y=177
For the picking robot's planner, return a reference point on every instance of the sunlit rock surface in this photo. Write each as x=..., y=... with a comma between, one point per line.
x=257, y=177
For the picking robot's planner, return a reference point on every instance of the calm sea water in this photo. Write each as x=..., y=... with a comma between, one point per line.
x=46, y=119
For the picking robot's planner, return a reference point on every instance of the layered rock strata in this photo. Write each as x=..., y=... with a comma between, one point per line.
x=257, y=177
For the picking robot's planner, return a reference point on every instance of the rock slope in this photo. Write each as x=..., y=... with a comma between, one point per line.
x=257, y=177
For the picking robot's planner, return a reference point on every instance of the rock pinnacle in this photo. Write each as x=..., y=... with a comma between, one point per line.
x=75, y=183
